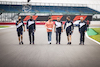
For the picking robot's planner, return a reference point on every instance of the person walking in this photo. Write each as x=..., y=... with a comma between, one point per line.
x=69, y=28
x=82, y=29
x=31, y=28
x=49, y=27
x=19, y=26
x=58, y=28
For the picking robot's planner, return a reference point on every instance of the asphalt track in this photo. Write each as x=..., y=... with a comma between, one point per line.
x=43, y=55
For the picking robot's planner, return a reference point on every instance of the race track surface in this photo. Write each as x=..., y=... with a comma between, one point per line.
x=43, y=55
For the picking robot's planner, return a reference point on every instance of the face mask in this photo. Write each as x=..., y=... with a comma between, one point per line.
x=19, y=19
x=31, y=19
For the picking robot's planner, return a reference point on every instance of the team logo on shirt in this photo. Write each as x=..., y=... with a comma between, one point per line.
x=19, y=25
x=82, y=24
x=30, y=23
x=68, y=24
x=58, y=24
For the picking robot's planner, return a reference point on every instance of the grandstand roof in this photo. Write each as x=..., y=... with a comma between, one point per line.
x=61, y=1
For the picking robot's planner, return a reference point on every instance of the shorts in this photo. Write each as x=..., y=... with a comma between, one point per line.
x=19, y=33
x=68, y=33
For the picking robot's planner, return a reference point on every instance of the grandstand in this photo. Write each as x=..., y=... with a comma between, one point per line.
x=9, y=11
x=48, y=9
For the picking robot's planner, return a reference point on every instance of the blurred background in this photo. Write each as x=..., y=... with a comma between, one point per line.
x=41, y=9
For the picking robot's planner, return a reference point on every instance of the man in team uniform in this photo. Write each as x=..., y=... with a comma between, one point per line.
x=58, y=28
x=69, y=28
x=82, y=29
x=19, y=25
x=31, y=28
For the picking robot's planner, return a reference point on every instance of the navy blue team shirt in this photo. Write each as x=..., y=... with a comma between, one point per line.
x=32, y=26
x=68, y=25
x=20, y=27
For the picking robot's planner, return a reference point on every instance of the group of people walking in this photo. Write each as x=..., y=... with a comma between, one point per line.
x=49, y=25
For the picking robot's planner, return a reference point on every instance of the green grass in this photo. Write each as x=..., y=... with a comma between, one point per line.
x=4, y=26
x=96, y=37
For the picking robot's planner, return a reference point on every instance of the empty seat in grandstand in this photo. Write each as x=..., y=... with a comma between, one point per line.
x=57, y=9
x=47, y=9
x=71, y=9
x=40, y=9
x=10, y=8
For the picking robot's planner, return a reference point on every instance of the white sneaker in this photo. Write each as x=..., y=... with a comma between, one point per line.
x=48, y=42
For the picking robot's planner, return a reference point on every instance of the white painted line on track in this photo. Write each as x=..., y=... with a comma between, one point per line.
x=92, y=39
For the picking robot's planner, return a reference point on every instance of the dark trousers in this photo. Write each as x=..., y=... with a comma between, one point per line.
x=31, y=33
x=58, y=37
x=82, y=37
x=58, y=34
